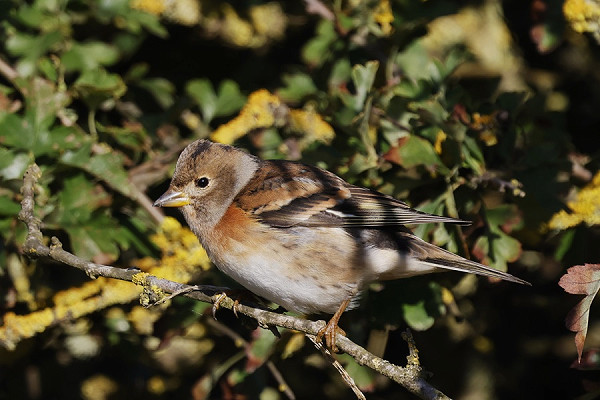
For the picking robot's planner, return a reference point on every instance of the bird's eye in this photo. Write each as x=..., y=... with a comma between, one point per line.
x=202, y=182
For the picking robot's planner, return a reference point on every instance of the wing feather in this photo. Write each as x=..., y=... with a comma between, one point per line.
x=285, y=193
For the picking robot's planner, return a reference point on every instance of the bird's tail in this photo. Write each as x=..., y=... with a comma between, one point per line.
x=472, y=267
x=432, y=256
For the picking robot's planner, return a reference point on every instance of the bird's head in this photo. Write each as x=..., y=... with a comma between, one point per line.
x=207, y=178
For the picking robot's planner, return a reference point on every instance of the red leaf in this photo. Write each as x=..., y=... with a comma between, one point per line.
x=581, y=279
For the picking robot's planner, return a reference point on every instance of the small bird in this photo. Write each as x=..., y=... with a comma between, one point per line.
x=301, y=236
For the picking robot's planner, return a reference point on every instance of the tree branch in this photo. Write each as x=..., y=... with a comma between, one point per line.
x=7, y=71
x=411, y=376
x=336, y=364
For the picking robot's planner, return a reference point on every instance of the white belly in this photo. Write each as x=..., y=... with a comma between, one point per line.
x=311, y=278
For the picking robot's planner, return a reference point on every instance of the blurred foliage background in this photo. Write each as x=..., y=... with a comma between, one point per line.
x=486, y=110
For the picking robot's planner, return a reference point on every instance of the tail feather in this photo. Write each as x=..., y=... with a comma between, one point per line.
x=473, y=267
x=436, y=257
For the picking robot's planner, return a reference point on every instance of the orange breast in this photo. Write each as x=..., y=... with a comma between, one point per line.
x=235, y=223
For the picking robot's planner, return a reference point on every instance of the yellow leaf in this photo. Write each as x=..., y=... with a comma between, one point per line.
x=295, y=343
x=585, y=208
x=439, y=139
x=384, y=17
x=262, y=110
x=311, y=125
x=268, y=20
x=582, y=15
x=155, y=7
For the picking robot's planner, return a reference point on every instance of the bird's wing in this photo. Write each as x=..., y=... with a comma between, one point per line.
x=285, y=194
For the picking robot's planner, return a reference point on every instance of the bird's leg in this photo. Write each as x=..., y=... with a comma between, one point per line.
x=332, y=328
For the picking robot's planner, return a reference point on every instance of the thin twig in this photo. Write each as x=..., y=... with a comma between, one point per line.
x=240, y=341
x=150, y=172
x=513, y=186
x=339, y=367
x=318, y=8
x=144, y=201
x=410, y=377
x=7, y=71
x=156, y=168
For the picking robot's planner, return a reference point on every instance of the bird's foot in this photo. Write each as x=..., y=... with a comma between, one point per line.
x=237, y=295
x=329, y=332
x=332, y=328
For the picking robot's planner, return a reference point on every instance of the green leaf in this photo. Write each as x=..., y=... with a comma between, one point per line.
x=415, y=62
x=13, y=164
x=47, y=67
x=420, y=315
x=44, y=101
x=31, y=48
x=78, y=157
x=363, y=77
x=472, y=155
x=77, y=200
x=410, y=89
x=137, y=238
x=147, y=21
x=435, y=206
x=161, y=89
x=340, y=73
x=66, y=138
x=30, y=131
x=416, y=316
x=134, y=137
x=505, y=216
x=441, y=236
x=417, y=151
x=5, y=224
x=297, y=86
x=137, y=72
x=564, y=245
x=107, y=167
x=97, y=86
x=261, y=347
x=364, y=377
x=432, y=112
x=130, y=19
x=30, y=16
x=456, y=57
x=318, y=49
x=100, y=235
x=82, y=213
x=88, y=56
x=8, y=207
x=14, y=131
x=228, y=99
x=496, y=248
x=203, y=93
x=22, y=133
x=6, y=157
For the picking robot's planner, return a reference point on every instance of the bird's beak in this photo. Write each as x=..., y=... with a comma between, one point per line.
x=172, y=198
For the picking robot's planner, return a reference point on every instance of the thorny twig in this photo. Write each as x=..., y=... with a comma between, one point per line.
x=411, y=376
x=240, y=341
x=489, y=179
x=336, y=364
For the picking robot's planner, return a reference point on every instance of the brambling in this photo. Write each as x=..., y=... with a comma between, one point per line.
x=299, y=235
